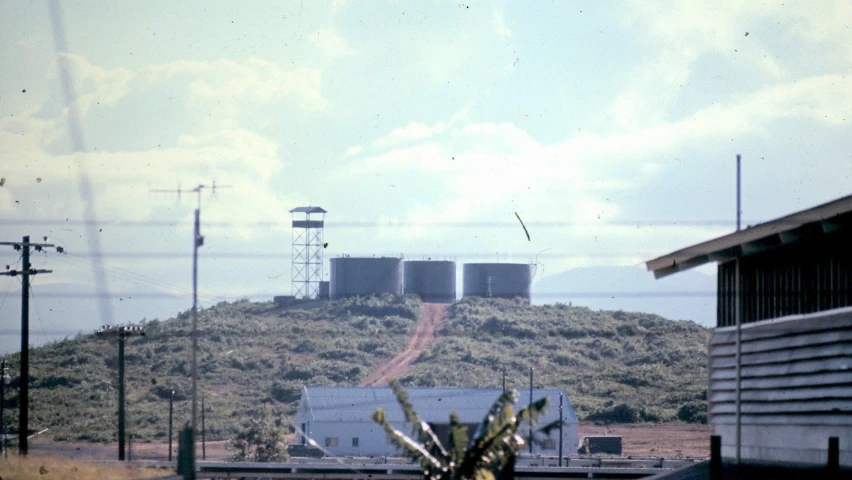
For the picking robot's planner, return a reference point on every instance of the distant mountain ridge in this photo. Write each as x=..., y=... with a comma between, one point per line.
x=689, y=295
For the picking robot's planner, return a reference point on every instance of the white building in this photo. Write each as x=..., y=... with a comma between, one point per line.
x=340, y=418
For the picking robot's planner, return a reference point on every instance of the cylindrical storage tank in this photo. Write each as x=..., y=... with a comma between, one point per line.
x=505, y=280
x=365, y=276
x=434, y=281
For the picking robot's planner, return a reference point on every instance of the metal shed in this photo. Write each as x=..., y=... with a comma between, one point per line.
x=340, y=418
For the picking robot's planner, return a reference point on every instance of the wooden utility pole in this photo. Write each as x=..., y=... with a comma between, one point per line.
x=197, y=241
x=171, y=411
x=120, y=333
x=26, y=270
x=2, y=405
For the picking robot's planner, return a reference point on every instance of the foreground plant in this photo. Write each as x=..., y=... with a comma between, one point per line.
x=260, y=441
x=491, y=452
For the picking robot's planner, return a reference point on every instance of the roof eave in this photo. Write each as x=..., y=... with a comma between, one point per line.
x=782, y=231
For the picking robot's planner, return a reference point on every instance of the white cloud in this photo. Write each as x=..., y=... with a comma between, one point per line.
x=331, y=44
x=412, y=132
x=353, y=150
x=499, y=23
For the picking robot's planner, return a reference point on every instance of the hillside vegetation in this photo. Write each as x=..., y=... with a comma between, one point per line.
x=617, y=366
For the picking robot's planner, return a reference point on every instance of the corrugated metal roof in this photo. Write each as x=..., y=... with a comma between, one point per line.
x=782, y=231
x=308, y=210
x=357, y=404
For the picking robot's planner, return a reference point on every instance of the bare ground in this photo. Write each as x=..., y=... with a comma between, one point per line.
x=657, y=440
x=432, y=315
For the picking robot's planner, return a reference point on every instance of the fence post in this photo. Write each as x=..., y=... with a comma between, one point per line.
x=833, y=454
x=715, y=457
x=186, y=454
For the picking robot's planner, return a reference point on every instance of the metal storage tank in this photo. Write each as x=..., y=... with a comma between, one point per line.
x=351, y=276
x=505, y=280
x=433, y=280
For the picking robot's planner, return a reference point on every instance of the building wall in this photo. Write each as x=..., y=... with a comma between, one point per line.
x=337, y=438
x=796, y=387
x=806, y=277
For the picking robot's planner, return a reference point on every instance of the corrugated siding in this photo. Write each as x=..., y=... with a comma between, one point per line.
x=796, y=377
x=800, y=367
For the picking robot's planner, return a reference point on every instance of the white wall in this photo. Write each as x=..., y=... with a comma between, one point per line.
x=373, y=440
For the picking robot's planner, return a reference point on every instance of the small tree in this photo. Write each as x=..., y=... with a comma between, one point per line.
x=488, y=455
x=259, y=441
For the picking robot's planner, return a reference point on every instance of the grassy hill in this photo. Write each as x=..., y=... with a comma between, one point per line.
x=615, y=365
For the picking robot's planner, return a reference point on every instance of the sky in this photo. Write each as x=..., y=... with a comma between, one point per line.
x=609, y=127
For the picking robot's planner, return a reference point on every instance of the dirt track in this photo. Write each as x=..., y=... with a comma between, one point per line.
x=432, y=315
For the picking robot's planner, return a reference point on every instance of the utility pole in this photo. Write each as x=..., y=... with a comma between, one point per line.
x=561, y=422
x=198, y=240
x=531, y=402
x=2, y=404
x=26, y=270
x=203, y=440
x=120, y=333
x=171, y=411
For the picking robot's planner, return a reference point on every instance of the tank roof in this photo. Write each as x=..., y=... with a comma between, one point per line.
x=308, y=210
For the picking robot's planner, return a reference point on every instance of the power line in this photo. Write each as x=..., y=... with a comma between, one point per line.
x=374, y=223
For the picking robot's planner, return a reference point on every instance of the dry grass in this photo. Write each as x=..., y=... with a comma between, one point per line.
x=43, y=467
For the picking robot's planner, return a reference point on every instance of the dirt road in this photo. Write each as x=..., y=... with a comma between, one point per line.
x=432, y=315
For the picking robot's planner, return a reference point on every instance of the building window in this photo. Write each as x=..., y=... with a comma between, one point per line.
x=548, y=444
x=354, y=441
x=330, y=441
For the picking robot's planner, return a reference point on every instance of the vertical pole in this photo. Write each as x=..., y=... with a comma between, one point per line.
x=531, y=401
x=738, y=304
x=834, y=454
x=171, y=412
x=504, y=378
x=715, y=457
x=561, y=422
x=24, y=407
x=2, y=404
x=121, y=432
x=130, y=448
x=307, y=258
x=739, y=191
x=194, y=335
x=203, y=430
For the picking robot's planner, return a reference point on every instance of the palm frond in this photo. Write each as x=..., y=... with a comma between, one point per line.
x=433, y=467
x=458, y=439
x=420, y=429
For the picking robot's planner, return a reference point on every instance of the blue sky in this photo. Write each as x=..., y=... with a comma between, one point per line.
x=611, y=128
